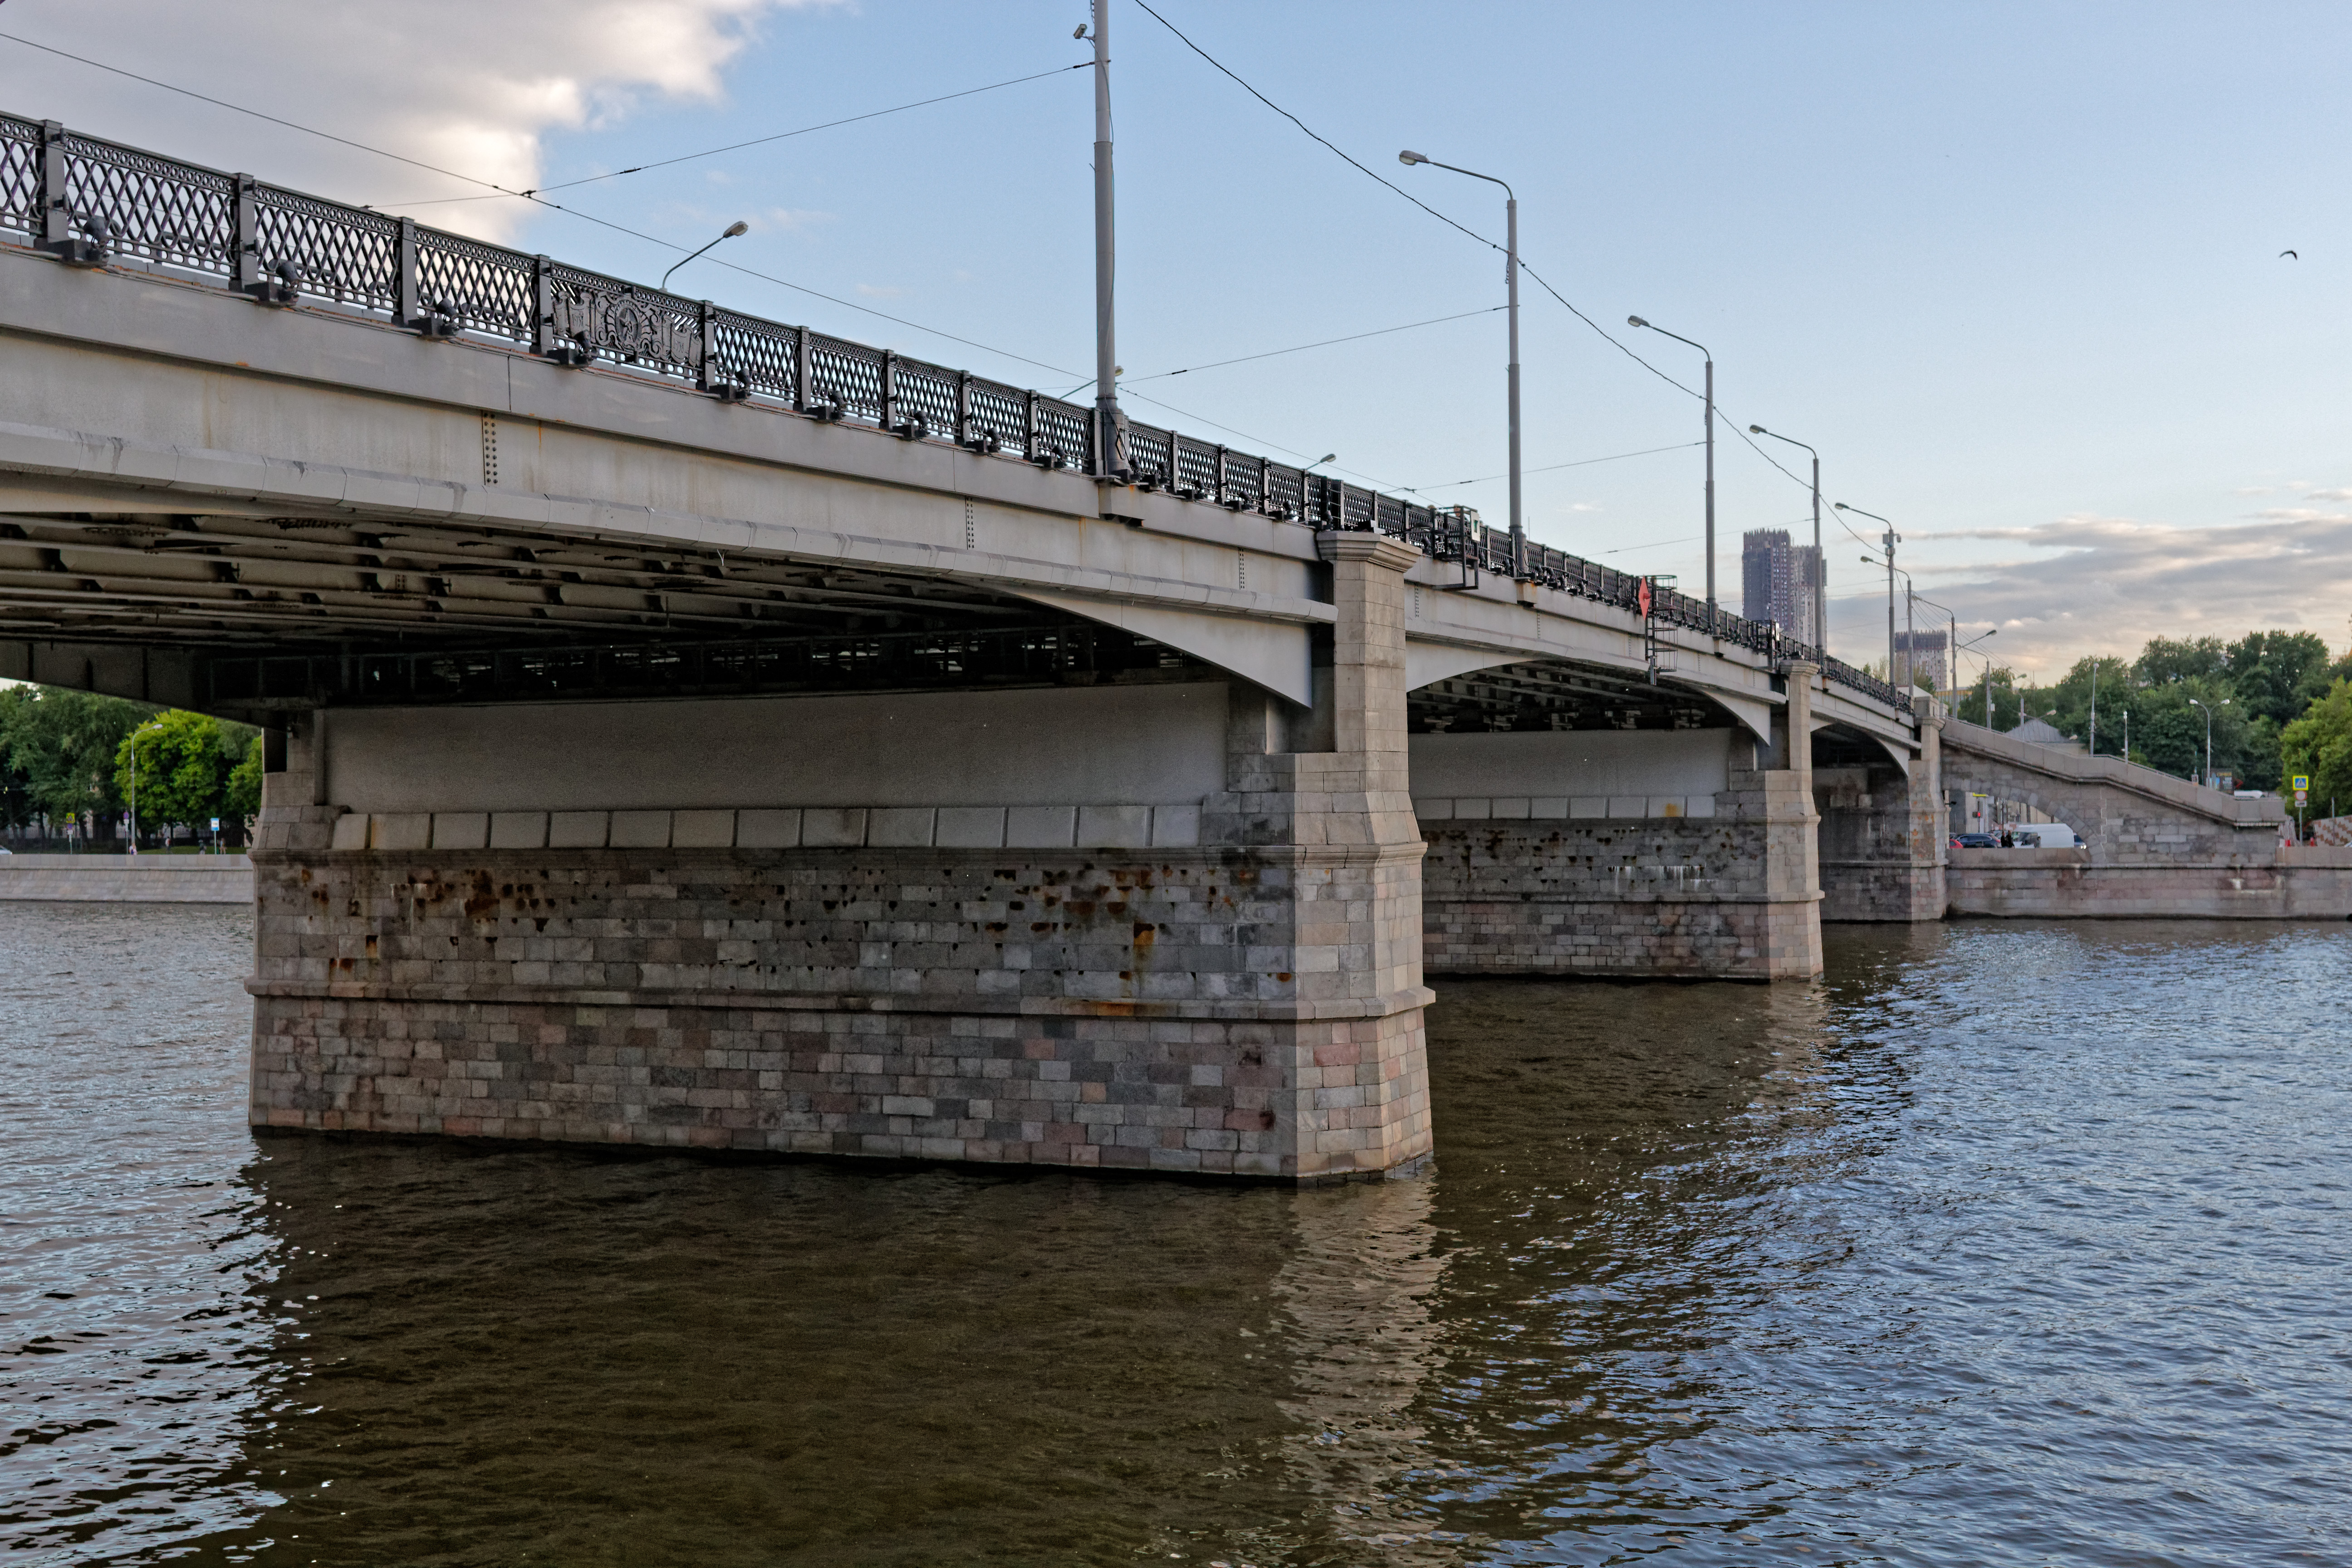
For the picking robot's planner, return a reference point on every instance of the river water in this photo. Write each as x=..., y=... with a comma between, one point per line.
x=2009, y=1244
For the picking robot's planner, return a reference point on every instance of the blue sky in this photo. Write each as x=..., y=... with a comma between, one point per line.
x=2013, y=268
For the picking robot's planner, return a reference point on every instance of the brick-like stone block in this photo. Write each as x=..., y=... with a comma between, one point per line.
x=640, y=830
x=578, y=829
x=350, y=832
x=1114, y=826
x=702, y=829
x=461, y=830
x=401, y=830
x=901, y=826
x=1041, y=827
x=767, y=829
x=518, y=830
x=832, y=826
x=970, y=827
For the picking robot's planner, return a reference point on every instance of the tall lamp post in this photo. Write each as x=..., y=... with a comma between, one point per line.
x=1821, y=565
x=1511, y=294
x=1957, y=649
x=733, y=229
x=1888, y=540
x=1638, y=321
x=1110, y=426
x=2209, y=737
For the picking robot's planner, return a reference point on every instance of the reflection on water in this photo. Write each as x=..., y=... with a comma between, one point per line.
x=2009, y=1244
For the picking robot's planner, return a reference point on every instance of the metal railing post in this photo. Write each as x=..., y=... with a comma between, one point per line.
x=1220, y=497
x=245, y=240
x=408, y=303
x=56, y=218
x=803, y=369
x=703, y=318
x=889, y=390
x=1029, y=436
x=542, y=308
x=963, y=409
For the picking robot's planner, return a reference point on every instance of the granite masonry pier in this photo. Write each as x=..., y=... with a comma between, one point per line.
x=1881, y=822
x=1204, y=957
x=1666, y=851
x=2152, y=845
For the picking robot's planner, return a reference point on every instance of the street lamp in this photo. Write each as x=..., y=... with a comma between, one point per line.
x=1821, y=565
x=1888, y=541
x=1638, y=321
x=738, y=226
x=1511, y=293
x=1988, y=673
x=2209, y=737
x=1910, y=633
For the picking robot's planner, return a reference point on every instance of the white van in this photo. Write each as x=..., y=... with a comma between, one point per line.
x=2045, y=836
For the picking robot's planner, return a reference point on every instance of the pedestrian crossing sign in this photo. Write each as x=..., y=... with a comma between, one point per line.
x=2300, y=783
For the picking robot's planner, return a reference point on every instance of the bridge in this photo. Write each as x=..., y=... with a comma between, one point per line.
x=693, y=730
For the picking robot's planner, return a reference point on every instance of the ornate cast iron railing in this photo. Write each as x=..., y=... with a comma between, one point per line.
x=90, y=201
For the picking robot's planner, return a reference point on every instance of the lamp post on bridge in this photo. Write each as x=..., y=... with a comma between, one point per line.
x=1820, y=562
x=1888, y=540
x=737, y=228
x=1111, y=425
x=1638, y=321
x=1511, y=294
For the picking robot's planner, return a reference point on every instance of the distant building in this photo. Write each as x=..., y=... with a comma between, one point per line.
x=1920, y=657
x=1777, y=581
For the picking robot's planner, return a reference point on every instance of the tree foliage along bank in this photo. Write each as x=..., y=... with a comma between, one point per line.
x=67, y=757
x=2253, y=691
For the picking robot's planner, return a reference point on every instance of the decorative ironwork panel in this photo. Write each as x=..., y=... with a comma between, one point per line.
x=164, y=211
x=1196, y=467
x=929, y=390
x=999, y=412
x=1152, y=453
x=759, y=354
x=1388, y=516
x=850, y=373
x=1355, y=508
x=351, y=257
x=20, y=172
x=1063, y=428
x=1245, y=481
x=481, y=286
x=1285, y=493
x=622, y=322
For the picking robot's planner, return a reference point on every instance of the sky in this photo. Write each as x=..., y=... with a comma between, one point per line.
x=2014, y=269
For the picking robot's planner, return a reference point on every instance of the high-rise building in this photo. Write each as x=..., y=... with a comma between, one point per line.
x=1920, y=657
x=1777, y=581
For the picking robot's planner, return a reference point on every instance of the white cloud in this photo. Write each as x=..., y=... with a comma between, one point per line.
x=2114, y=583
x=465, y=85
x=785, y=220
x=880, y=291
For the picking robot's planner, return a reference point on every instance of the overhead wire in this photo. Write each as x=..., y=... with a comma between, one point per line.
x=738, y=146
x=1539, y=278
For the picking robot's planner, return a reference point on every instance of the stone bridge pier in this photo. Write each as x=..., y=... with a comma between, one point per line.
x=1161, y=921
x=1881, y=822
x=1613, y=828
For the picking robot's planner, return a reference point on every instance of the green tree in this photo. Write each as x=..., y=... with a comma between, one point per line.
x=16, y=807
x=179, y=766
x=2320, y=744
x=2277, y=675
x=243, y=798
x=2069, y=701
x=185, y=764
x=1970, y=706
x=2164, y=661
x=64, y=743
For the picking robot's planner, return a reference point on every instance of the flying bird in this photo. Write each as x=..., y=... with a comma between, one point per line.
x=2290, y=253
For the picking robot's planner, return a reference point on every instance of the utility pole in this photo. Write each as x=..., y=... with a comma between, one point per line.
x=2095, y=705
x=1110, y=428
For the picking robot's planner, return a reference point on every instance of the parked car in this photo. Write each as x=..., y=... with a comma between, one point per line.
x=1975, y=841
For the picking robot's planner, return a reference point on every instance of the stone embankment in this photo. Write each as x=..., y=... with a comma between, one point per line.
x=128, y=879
x=2152, y=845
